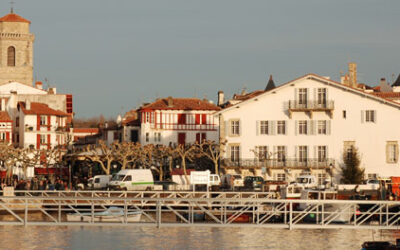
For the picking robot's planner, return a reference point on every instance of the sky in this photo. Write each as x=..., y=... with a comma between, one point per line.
x=114, y=55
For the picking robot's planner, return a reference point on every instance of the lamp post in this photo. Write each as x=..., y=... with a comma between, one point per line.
x=331, y=172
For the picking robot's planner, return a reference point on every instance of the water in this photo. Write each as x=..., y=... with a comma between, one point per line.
x=31, y=237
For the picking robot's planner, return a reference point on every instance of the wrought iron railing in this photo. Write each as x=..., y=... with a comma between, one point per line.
x=312, y=105
x=281, y=163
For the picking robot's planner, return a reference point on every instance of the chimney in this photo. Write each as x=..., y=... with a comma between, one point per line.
x=170, y=102
x=383, y=80
x=220, y=98
x=39, y=85
x=28, y=105
x=353, y=75
x=52, y=91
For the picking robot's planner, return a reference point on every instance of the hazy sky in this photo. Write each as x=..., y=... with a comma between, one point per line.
x=113, y=55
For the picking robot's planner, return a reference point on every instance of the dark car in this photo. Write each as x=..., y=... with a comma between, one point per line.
x=253, y=182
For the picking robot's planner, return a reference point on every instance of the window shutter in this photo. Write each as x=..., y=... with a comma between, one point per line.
x=275, y=153
x=240, y=127
x=308, y=96
x=296, y=125
x=387, y=153
x=286, y=127
x=38, y=141
x=362, y=116
x=257, y=127
x=228, y=152
x=375, y=116
x=273, y=127
x=327, y=152
x=315, y=152
x=296, y=96
x=328, y=127
x=228, y=128
x=397, y=153
x=315, y=95
x=38, y=122
x=269, y=132
x=295, y=151
x=309, y=127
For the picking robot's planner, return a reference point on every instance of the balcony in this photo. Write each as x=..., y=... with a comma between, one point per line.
x=176, y=126
x=310, y=107
x=304, y=164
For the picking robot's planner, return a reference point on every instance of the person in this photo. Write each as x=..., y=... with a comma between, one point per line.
x=42, y=185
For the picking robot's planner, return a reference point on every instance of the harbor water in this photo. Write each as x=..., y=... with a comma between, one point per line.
x=75, y=237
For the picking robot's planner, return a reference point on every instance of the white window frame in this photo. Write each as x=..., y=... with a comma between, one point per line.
x=43, y=120
x=43, y=139
x=321, y=96
x=302, y=127
x=235, y=153
x=235, y=127
x=303, y=153
x=262, y=152
x=147, y=137
x=302, y=95
x=370, y=116
x=322, y=128
x=322, y=153
x=281, y=127
x=281, y=177
x=321, y=178
x=264, y=126
x=281, y=153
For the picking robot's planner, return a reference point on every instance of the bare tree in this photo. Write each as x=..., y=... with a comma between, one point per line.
x=212, y=151
x=103, y=155
x=186, y=152
x=127, y=153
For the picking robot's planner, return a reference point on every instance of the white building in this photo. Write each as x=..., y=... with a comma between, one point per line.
x=171, y=121
x=39, y=126
x=307, y=125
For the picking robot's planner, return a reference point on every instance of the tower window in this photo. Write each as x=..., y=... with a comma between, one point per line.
x=11, y=56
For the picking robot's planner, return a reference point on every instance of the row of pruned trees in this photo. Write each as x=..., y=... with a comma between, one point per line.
x=135, y=155
x=11, y=157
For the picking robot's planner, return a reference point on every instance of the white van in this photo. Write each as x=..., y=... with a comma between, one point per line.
x=100, y=181
x=132, y=179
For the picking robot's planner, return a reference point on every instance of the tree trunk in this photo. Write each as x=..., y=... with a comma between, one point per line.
x=216, y=166
x=184, y=169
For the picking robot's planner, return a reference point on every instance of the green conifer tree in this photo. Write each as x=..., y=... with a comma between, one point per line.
x=352, y=173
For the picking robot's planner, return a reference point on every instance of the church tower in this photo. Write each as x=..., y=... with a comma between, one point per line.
x=16, y=50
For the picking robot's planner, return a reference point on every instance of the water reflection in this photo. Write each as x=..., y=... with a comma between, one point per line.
x=17, y=237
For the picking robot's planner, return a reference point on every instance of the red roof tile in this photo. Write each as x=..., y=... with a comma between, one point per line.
x=181, y=104
x=387, y=94
x=4, y=117
x=14, y=18
x=248, y=96
x=40, y=109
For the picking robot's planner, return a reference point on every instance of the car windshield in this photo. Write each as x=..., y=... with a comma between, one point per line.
x=302, y=180
x=118, y=177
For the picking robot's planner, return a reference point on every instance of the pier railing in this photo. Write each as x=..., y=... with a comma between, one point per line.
x=193, y=211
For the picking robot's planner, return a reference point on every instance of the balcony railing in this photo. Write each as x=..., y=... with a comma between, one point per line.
x=176, y=126
x=311, y=105
x=279, y=164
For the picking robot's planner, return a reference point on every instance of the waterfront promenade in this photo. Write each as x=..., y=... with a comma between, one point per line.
x=209, y=209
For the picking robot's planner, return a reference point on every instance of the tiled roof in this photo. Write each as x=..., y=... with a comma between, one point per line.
x=14, y=18
x=40, y=109
x=248, y=96
x=86, y=130
x=4, y=117
x=387, y=94
x=131, y=121
x=181, y=104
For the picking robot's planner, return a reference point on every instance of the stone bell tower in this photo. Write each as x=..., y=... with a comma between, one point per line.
x=16, y=50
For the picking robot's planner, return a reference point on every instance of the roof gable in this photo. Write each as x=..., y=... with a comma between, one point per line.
x=318, y=78
x=40, y=109
x=181, y=104
x=20, y=88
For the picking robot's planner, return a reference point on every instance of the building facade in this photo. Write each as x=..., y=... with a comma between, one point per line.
x=308, y=125
x=173, y=121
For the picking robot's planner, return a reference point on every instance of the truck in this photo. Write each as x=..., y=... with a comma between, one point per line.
x=99, y=182
x=368, y=185
x=132, y=179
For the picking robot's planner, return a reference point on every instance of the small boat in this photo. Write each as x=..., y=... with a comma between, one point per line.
x=112, y=214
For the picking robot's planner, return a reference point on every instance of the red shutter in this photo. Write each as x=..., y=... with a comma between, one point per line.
x=198, y=137
x=38, y=141
x=38, y=122
x=7, y=136
x=48, y=141
x=203, y=137
x=203, y=119
x=181, y=138
x=48, y=122
x=197, y=118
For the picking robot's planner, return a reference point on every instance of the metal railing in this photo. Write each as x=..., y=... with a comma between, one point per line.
x=311, y=105
x=211, y=211
x=282, y=163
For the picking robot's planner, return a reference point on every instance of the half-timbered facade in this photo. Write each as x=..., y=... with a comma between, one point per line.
x=171, y=121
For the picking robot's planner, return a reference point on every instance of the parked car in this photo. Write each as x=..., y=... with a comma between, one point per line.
x=253, y=182
x=99, y=182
